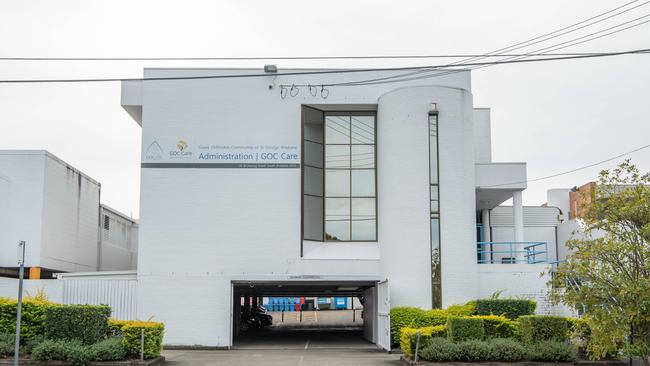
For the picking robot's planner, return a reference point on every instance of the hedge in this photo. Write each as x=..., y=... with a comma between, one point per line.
x=130, y=332
x=32, y=317
x=408, y=337
x=462, y=329
x=498, y=326
x=510, y=308
x=87, y=324
x=536, y=328
x=496, y=350
x=76, y=353
x=411, y=317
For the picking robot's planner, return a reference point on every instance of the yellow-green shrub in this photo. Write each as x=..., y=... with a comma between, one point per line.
x=32, y=316
x=130, y=332
x=402, y=317
x=498, y=326
x=408, y=337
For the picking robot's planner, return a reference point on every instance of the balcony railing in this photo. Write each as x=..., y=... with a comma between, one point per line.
x=511, y=252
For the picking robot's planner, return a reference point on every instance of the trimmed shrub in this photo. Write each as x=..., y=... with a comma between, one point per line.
x=536, y=328
x=110, y=349
x=463, y=329
x=510, y=308
x=498, y=326
x=408, y=337
x=7, y=342
x=115, y=327
x=153, y=337
x=552, y=351
x=29, y=345
x=85, y=323
x=506, y=350
x=403, y=317
x=439, y=350
x=473, y=351
x=32, y=317
x=57, y=350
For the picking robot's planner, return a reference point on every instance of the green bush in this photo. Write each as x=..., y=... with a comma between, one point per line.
x=402, y=317
x=498, y=326
x=32, y=317
x=506, y=350
x=110, y=349
x=408, y=337
x=536, y=328
x=153, y=337
x=7, y=342
x=552, y=351
x=29, y=345
x=73, y=352
x=439, y=350
x=85, y=323
x=473, y=351
x=510, y=308
x=463, y=329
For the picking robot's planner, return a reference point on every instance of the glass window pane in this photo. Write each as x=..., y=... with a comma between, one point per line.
x=363, y=129
x=313, y=218
x=364, y=229
x=313, y=125
x=363, y=183
x=434, y=192
x=337, y=130
x=313, y=154
x=364, y=219
x=337, y=183
x=363, y=156
x=337, y=156
x=434, y=206
x=433, y=150
x=313, y=181
x=337, y=218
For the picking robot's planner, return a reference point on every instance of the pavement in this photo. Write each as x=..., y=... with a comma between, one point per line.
x=321, y=338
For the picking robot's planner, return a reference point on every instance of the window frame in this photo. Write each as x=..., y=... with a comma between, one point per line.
x=350, y=197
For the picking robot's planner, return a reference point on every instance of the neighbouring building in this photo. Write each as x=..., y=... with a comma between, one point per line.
x=286, y=184
x=56, y=210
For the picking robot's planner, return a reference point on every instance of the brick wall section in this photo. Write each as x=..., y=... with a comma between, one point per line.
x=580, y=199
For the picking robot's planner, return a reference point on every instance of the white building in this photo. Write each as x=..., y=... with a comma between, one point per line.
x=55, y=209
x=263, y=186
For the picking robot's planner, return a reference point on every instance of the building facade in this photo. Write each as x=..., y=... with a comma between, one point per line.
x=288, y=185
x=55, y=209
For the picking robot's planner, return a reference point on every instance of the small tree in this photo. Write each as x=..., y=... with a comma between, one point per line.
x=607, y=273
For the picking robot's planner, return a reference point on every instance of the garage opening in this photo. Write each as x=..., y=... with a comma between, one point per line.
x=305, y=315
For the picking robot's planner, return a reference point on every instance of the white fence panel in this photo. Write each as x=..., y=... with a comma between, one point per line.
x=119, y=294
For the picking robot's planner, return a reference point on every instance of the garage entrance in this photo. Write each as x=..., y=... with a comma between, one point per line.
x=308, y=315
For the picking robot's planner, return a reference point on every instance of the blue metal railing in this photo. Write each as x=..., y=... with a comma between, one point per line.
x=511, y=252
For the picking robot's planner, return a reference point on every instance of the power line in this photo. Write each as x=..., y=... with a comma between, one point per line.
x=517, y=45
x=325, y=72
x=569, y=171
x=262, y=58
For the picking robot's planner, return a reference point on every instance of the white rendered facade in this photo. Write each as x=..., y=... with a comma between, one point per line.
x=55, y=209
x=207, y=227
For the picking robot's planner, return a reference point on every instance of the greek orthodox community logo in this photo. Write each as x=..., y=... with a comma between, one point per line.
x=181, y=145
x=154, y=151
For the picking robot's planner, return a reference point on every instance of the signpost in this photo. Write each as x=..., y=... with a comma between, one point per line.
x=21, y=274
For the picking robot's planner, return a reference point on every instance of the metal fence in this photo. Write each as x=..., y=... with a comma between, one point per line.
x=511, y=252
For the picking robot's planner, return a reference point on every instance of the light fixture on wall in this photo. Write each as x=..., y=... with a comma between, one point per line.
x=312, y=90
x=324, y=93
x=294, y=90
x=433, y=109
x=270, y=68
x=283, y=92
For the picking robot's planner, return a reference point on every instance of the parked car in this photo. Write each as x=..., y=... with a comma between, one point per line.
x=254, y=318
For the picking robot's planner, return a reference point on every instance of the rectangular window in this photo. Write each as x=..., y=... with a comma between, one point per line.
x=436, y=285
x=339, y=176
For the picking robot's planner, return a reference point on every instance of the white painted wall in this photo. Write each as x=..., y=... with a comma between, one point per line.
x=53, y=289
x=482, y=135
x=559, y=198
x=516, y=280
x=118, y=241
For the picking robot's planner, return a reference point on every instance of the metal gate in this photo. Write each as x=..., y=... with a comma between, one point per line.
x=383, y=315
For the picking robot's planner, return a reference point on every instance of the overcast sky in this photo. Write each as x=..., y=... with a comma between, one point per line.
x=555, y=116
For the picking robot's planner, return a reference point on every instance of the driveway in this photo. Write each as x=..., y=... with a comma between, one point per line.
x=304, y=343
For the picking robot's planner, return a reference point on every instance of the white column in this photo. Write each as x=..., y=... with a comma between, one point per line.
x=485, y=219
x=518, y=214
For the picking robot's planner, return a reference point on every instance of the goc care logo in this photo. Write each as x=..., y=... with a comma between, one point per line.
x=181, y=151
